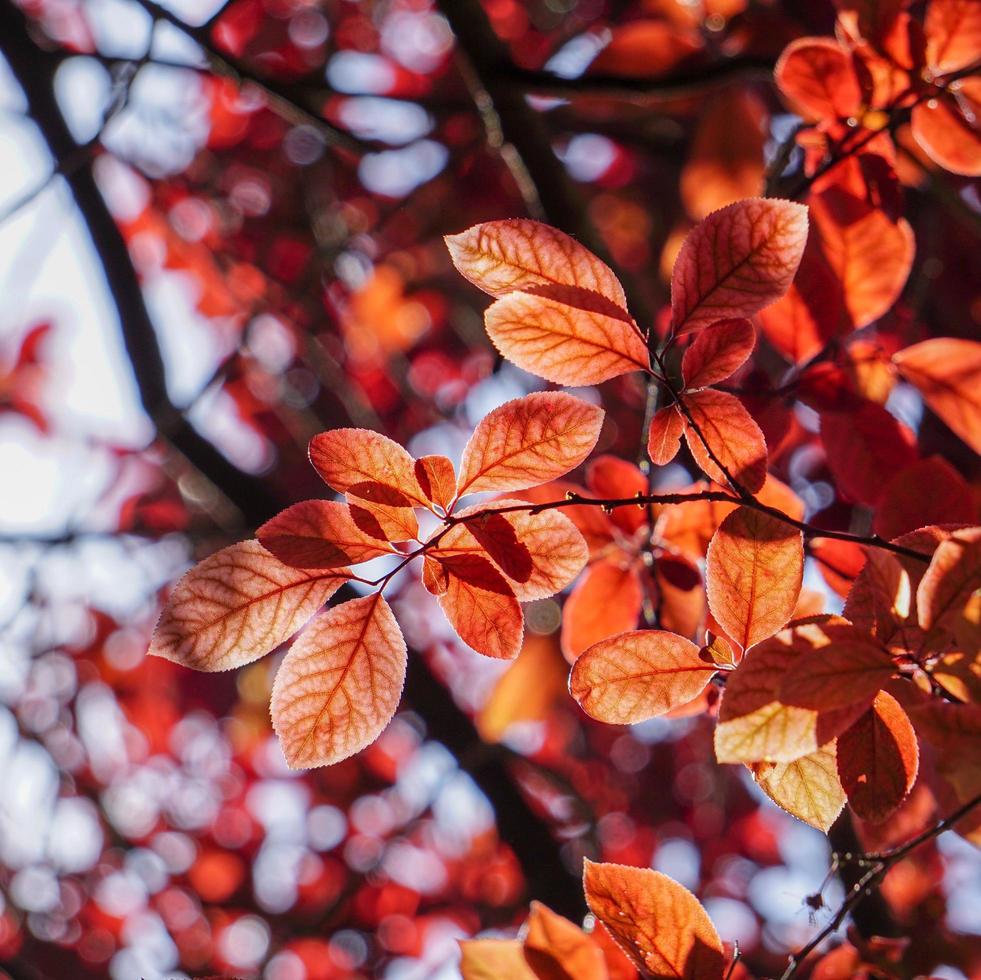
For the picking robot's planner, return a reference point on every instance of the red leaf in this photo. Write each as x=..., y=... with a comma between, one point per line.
x=953, y=34
x=437, y=479
x=529, y=441
x=737, y=261
x=557, y=949
x=318, y=534
x=733, y=437
x=660, y=925
x=367, y=465
x=754, y=571
x=237, y=606
x=340, y=683
x=645, y=49
x=878, y=759
x=664, y=435
x=605, y=601
x=953, y=577
x=638, y=675
x=817, y=75
x=930, y=491
x=717, y=352
x=610, y=477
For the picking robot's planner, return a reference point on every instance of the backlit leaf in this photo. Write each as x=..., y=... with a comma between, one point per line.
x=529, y=441
x=318, y=534
x=610, y=477
x=817, y=75
x=237, y=606
x=557, y=949
x=383, y=522
x=878, y=759
x=638, y=675
x=807, y=788
x=664, y=435
x=953, y=576
x=953, y=34
x=947, y=127
x=717, y=352
x=645, y=48
x=481, y=606
x=733, y=437
x=494, y=959
x=501, y=257
x=737, y=261
x=659, y=924
x=607, y=600
x=930, y=491
x=947, y=372
x=754, y=571
x=566, y=335
x=437, y=479
x=340, y=683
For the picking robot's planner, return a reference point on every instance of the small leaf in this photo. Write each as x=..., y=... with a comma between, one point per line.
x=947, y=372
x=481, y=607
x=953, y=576
x=607, y=600
x=660, y=925
x=754, y=571
x=730, y=432
x=340, y=683
x=947, y=127
x=664, y=436
x=566, y=335
x=878, y=759
x=737, y=261
x=318, y=534
x=367, y=465
x=638, y=675
x=437, y=479
x=817, y=75
x=717, y=352
x=237, y=606
x=557, y=949
x=610, y=477
x=529, y=441
x=501, y=257
x=807, y=788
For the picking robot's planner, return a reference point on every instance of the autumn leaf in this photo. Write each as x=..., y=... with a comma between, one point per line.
x=717, y=352
x=660, y=925
x=953, y=34
x=340, y=683
x=953, y=575
x=638, y=675
x=754, y=571
x=736, y=261
x=237, y=606
x=318, y=534
x=645, y=49
x=437, y=480
x=383, y=522
x=481, y=606
x=807, y=788
x=606, y=600
x=529, y=441
x=566, y=335
x=947, y=372
x=557, y=949
x=817, y=76
x=728, y=430
x=664, y=435
x=610, y=477
x=494, y=959
x=930, y=491
x=878, y=759
x=502, y=257
x=947, y=127
x=366, y=465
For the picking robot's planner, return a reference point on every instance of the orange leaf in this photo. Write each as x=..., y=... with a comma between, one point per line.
x=494, y=959
x=717, y=352
x=638, y=675
x=664, y=436
x=566, y=335
x=340, y=683
x=729, y=431
x=237, y=606
x=947, y=372
x=878, y=758
x=318, y=534
x=618, y=965
x=725, y=163
x=953, y=576
x=852, y=668
x=529, y=441
x=754, y=571
x=755, y=725
x=947, y=128
x=645, y=49
x=501, y=257
x=383, y=522
x=864, y=447
x=367, y=465
x=557, y=949
x=681, y=594
x=953, y=34
x=437, y=479
x=807, y=788
x=737, y=261
x=605, y=601
x=480, y=606
x=610, y=477
x=839, y=561
x=591, y=522
x=930, y=491
x=549, y=548
x=817, y=76
x=661, y=926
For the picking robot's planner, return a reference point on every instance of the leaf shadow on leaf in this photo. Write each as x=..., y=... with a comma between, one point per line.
x=476, y=571
x=581, y=299
x=379, y=493
x=499, y=539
